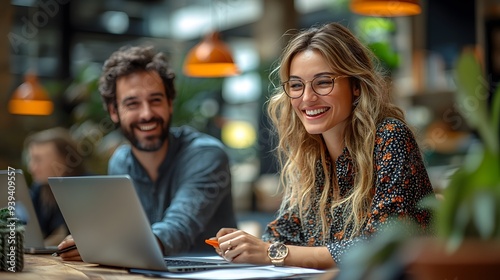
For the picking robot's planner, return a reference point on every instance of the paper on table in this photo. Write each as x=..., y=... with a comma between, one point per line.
x=258, y=272
x=211, y=259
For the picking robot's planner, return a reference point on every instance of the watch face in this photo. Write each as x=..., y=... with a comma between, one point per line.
x=277, y=251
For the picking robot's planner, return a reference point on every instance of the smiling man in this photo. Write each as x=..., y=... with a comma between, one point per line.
x=182, y=176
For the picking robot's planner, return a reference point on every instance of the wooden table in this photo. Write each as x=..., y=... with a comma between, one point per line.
x=50, y=268
x=38, y=267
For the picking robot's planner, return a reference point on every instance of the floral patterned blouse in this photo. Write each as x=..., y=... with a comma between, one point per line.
x=401, y=181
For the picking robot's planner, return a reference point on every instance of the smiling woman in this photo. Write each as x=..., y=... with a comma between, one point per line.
x=348, y=160
x=327, y=103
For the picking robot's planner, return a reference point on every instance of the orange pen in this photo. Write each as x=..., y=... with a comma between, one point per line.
x=212, y=242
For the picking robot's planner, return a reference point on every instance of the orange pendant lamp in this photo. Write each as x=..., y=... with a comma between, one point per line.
x=210, y=58
x=386, y=8
x=30, y=98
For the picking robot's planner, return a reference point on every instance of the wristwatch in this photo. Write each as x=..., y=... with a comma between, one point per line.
x=277, y=252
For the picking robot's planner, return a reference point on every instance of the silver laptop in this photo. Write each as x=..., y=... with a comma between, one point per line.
x=108, y=223
x=12, y=182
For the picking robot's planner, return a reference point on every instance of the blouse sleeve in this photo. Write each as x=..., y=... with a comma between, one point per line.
x=286, y=229
x=401, y=181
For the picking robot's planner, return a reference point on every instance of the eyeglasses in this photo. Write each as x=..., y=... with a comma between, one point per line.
x=321, y=85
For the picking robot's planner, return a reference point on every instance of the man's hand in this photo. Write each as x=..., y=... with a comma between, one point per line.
x=72, y=255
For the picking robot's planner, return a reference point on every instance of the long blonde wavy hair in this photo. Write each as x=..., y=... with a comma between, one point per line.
x=298, y=151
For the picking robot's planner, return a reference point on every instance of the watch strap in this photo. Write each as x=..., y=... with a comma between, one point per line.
x=278, y=262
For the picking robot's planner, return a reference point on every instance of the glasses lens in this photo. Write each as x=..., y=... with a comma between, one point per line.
x=294, y=88
x=322, y=85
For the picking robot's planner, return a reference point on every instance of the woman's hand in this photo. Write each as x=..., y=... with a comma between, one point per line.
x=72, y=255
x=241, y=247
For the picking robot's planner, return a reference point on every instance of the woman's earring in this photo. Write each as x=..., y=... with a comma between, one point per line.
x=356, y=96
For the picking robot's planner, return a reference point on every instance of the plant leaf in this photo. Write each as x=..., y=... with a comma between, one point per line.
x=485, y=174
x=484, y=213
x=461, y=219
x=453, y=194
x=495, y=117
x=472, y=98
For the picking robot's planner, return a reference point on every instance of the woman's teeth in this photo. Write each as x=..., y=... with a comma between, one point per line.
x=315, y=111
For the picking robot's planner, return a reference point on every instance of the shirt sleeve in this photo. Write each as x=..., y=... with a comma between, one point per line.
x=286, y=229
x=204, y=182
x=401, y=181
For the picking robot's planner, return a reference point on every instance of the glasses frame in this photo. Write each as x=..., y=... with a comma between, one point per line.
x=283, y=85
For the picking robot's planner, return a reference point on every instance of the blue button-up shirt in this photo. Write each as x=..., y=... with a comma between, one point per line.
x=191, y=199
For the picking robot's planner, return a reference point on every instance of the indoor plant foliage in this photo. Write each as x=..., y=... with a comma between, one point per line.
x=471, y=205
x=467, y=220
x=11, y=242
x=466, y=244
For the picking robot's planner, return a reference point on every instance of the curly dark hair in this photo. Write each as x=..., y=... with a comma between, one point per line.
x=128, y=60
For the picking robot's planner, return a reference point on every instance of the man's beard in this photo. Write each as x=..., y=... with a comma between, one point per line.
x=154, y=143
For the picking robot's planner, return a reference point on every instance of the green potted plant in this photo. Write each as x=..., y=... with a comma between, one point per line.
x=11, y=241
x=466, y=244
x=472, y=204
x=467, y=220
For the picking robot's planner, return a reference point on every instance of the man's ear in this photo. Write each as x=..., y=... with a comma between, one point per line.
x=113, y=113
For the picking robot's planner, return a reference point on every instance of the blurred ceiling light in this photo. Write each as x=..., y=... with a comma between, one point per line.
x=194, y=20
x=210, y=58
x=241, y=89
x=190, y=22
x=115, y=22
x=238, y=134
x=386, y=8
x=209, y=108
x=30, y=98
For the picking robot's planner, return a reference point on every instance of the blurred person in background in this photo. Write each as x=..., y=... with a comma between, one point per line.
x=51, y=152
